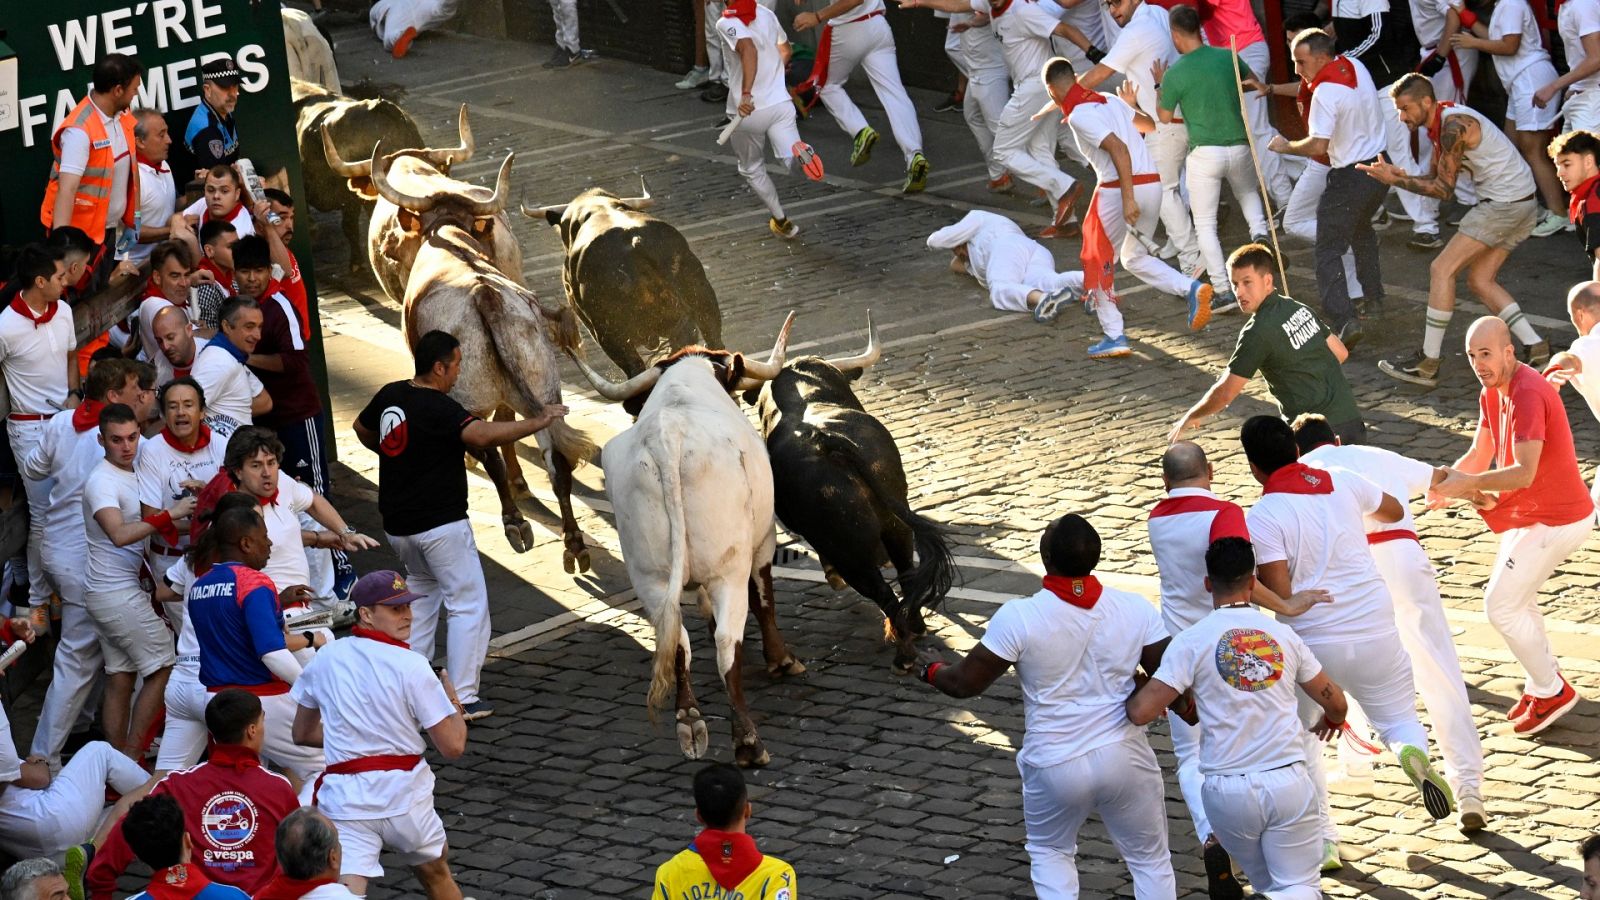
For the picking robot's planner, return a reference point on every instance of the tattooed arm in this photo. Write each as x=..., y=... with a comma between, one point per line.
x=1457, y=135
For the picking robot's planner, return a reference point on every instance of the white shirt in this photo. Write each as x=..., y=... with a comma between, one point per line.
x=1024, y=31
x=1076, y=668
x=769, y=88
x=1575, y=19
x=10, y=762
x=229, y=387
x=75, y=159
x=187, y=668
x=1498, y=170
x=1244, y=669
x=334, y=891
x=111, y=568
x=1401, y=477
x=158, y=200
x=1086, y=17
x=1323, y=538
x=1427, y=17
x=1587, y=382
x=34, y=358
x=166, y=373
x=987, y=236
x=980, y=50
x=1182, y=527
x=1146, y=38
x=287, y=565
x=1350, y=119
x=68, y=456
x=242, y=221
x=374, y=698
x=1516, y=17
x=1092, y=122
x=1358, y=9
x=162, y=468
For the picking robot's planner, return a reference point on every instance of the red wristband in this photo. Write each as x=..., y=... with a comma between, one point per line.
x=933, y=670
x=162, y=523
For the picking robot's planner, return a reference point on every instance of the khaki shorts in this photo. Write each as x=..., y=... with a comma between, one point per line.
x=1500, y=224
x=132, y=637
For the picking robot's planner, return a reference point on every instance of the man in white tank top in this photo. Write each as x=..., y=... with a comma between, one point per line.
x=1508, y=207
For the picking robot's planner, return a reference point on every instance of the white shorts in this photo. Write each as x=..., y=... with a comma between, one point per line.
x=132, y=637
x=416, y=835
x=1519, y=99
x=1582, y=111
x=184, y=737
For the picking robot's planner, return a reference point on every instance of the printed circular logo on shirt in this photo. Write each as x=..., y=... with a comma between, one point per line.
x=1249, y=659
x=229, y=820
x=392, y=431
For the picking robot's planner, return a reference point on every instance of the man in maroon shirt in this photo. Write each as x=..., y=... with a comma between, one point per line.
x=1522, y=474
x=232, y=807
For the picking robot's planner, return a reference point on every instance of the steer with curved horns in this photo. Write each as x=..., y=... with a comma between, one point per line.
x=508, y=340
x=632, y=277
x=692, y=491
x=840, y=485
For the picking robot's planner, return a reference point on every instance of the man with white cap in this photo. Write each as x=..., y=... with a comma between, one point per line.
x=364, y=700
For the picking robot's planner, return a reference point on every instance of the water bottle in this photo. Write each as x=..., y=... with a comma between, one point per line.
x=128, y=237
x=253, y=185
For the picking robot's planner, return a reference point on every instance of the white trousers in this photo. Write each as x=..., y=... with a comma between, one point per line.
x=1444, y=84
x=25, y=436
x=566, y=17
x=279, y=747
x=1582, y=111
x=1425, y=633
x=442, y=563
x=988, y=91
x=1300, y=219
x=390, y=18
x=1186, y=746
x=715, y=69
x=1169, y=147
x=1273, y=169
x=1268, y=823
x=870, y=44
x=78, y=665
x=67, y=811
x=773, y=125
x=1027, y=146
x=1121, y=782
x=1207, y=169
x=1527, y=557
x=184, y=736
x=1132, y=252
x=1020, y=267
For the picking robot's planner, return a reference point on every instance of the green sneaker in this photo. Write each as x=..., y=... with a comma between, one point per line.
x=1436, y=796
x=76, y=870
x=861, y=151
x=1330, y=856
x=916, y=174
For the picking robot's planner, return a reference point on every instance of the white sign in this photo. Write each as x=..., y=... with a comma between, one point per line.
x=8, y=89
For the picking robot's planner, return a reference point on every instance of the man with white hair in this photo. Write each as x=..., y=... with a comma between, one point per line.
x=34, y=879
x=1018, y=271
x=308, y=859
x=1579, y=365
x=158, y=192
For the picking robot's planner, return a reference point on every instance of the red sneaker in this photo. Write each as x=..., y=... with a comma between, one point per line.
x=1001, y=185
x=403, y=46
x=1065, y=224
x=1543, y=712
x=810, y=162
x=1521, y=709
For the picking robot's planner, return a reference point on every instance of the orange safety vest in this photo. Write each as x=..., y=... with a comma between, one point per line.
x=93, y=199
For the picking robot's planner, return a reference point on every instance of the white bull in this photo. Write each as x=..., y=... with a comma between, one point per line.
x=692, y=490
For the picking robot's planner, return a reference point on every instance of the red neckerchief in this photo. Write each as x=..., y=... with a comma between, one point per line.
x=160, y=167
x=206, y=216
x=224, y=276
x=268, y=501
x=151, y=289
x=233, y=756
x=21, y=308
x=87, y=415
x=376, y=635
x=729, y=856
x=1434, y=125
x=1077, y=95
x=200, y=441
x=1298, y=478
x=179, y=882
x=283, y=887
x=1585, y=199
x=1082, y=592
x=996, y=10
x=743, y=10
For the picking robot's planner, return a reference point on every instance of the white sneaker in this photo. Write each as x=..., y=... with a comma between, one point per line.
x=1469, y=803
x=1551, y=224
x=697, y=77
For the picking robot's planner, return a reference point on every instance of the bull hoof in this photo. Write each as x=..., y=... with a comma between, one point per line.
x=693, y=739
x=519, y=534
x=574, y=563
x=834, y=581
x=750, y=754
x=903, y=666
x=790, y=666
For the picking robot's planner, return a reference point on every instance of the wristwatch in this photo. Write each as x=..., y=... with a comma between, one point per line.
x=311, y=640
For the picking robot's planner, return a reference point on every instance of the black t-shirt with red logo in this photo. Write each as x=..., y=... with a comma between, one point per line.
x=422, y=477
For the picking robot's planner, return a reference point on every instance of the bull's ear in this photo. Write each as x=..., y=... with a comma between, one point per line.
x=854, y=374
x=751, y=396
x=361, y=185
x=410, y=222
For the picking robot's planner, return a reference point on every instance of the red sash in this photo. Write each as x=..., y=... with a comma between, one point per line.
x=1096, y=254
x=386, y=763
x=1384, y=537
x=819, y=68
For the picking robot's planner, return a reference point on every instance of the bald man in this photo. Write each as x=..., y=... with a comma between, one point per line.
x=1522, y=475
x=1579, y=365
x=174, y=344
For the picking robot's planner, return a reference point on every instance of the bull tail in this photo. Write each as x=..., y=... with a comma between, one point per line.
x=572, y=443
x=667, y=616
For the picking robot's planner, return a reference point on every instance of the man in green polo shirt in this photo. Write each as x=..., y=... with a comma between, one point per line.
x=1291, y=348
x=1200, y=87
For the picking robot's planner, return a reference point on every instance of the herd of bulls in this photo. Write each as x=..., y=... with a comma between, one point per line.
x=695, y=488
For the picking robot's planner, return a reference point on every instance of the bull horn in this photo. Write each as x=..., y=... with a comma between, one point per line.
x=551, y=214
x=336, y=162
x=865, y=359
x=462, y=153
x=502, y=190
x=380, y=181
x=766, y=371
x=644, y=200
x=612, y=390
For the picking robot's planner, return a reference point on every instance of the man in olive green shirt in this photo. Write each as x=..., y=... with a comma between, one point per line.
x=1201, y=84
x=1291, y=348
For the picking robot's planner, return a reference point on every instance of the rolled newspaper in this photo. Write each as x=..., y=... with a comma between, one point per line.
x=727, y=130
x=16, y=649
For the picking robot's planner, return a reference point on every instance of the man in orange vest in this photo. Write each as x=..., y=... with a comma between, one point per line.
x=94, y=184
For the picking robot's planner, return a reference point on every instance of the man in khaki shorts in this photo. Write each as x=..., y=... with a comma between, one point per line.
x=1508, y=207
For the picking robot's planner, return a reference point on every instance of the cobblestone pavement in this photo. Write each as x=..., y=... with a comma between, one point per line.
x=878, y=786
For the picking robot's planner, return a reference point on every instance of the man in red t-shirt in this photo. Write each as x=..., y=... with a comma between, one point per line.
x=1522, y=474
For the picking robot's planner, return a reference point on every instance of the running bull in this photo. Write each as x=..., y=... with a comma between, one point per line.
x=839, y=483
x=632, y=277
x=692, y=491
x=508, y=339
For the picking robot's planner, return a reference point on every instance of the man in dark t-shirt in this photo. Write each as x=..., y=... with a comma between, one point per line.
x=1291, y=348
x=420, y=435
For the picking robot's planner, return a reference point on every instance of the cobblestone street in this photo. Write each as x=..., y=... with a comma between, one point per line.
x=879, y=786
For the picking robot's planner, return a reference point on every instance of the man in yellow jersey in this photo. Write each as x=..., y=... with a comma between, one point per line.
x=722, y=861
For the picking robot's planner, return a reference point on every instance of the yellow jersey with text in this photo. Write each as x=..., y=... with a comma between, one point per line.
x=686, y=877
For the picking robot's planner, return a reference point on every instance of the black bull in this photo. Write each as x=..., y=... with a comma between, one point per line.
x=838, y=482
x=633, y=279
